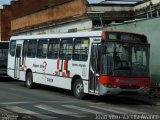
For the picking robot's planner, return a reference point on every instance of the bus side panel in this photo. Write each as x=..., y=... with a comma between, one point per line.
x=61, y=74
x=10, y=73
x=85, y=84
x=39, y=78
x=22, y=75
x=81, y=69
x=50, y=80
x=46, y=72
x=60, y=82
x=39, y=71
x=34, y=65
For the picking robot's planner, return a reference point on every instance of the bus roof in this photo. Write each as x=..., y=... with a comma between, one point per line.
x=60, y=35
x=67, y=35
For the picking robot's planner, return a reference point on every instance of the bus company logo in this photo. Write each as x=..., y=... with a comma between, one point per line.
x=44, y=66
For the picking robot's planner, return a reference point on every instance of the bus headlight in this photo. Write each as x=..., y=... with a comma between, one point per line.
x=109, y=85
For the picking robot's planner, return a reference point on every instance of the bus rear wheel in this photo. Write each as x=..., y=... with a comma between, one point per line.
x=29, y=80
x=78, y=89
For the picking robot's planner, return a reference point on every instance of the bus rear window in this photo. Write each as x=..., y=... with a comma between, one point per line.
x=12, y=48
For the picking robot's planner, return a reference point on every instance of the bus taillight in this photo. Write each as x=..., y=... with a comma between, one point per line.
x=104, y=36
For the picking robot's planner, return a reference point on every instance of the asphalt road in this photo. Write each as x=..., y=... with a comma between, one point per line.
x=47, y=103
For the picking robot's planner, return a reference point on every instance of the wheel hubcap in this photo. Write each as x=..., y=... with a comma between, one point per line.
x=79, y=89
x=28, y=82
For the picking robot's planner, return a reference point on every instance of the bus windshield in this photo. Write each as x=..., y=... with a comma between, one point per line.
x=125, y=59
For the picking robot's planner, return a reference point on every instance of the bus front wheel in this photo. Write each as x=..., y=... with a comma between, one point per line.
x=29, y=80
x=78, y=89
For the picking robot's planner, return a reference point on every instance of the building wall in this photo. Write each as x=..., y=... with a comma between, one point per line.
x=80, y=25
x=147, y=9
x=144, y=5
x=5, y=24
x=110, y=8
x=25, y=7
x=149, y=27
x=51, y=15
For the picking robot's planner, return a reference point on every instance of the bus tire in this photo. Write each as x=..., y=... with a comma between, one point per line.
x=29, y=80
x=78, y=89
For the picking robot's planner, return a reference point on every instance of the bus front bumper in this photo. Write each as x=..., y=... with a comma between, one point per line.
x=119, y=91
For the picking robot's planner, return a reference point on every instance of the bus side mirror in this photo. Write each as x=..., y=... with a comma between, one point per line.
x=103, y=49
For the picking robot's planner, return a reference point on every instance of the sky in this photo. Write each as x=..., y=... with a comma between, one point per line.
x=4, y=2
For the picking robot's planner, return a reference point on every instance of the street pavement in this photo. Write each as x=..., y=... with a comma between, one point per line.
x=48, y=103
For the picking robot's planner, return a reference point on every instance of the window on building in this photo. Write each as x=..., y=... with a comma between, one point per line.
x=32, y=46
x=66, y=49
x=12, y=47
x=72, y=30
x=53, y=48
x=25, y=48
x=42, y=48
x=81, y=47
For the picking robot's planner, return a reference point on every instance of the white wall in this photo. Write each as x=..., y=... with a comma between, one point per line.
x=81, y=25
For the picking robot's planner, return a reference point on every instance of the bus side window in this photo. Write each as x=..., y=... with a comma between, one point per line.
x=66, y=49
x=53, y=48
x=25, y=48
x=81, y=47
x=42, y=48
x=12, y=48
x=32, y=46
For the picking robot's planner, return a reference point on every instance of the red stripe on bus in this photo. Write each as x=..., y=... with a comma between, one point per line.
x=65, y=64
x=67, y=75
x=63, y=74
x=56, y=73
x=119, y=81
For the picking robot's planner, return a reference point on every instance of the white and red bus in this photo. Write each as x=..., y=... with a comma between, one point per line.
x=96, y=62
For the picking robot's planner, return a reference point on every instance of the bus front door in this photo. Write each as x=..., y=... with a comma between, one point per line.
x=17, y=61
x=94, y=69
